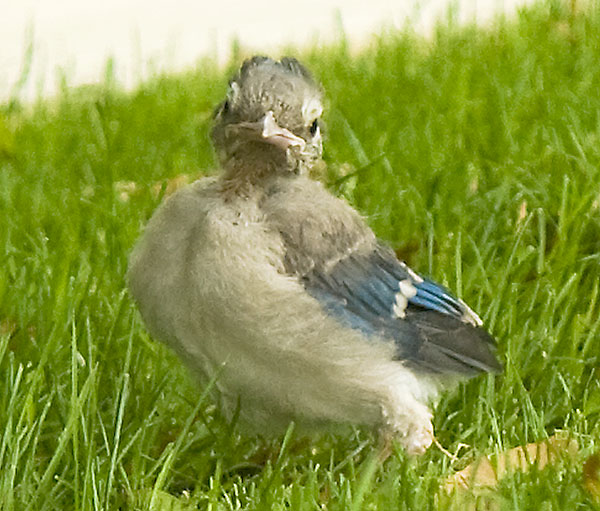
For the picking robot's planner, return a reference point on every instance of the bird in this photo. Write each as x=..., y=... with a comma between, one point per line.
x=262, y=279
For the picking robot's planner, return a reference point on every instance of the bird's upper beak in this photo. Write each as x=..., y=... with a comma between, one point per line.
x=267, y=130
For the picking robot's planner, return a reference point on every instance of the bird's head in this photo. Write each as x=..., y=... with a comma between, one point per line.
x=270, y=117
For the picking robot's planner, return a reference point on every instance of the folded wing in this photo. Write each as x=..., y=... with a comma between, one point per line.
x=381, y=296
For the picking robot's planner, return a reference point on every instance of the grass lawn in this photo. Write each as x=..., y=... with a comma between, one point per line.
x=475, y=154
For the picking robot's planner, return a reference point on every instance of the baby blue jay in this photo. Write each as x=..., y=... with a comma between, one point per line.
x=264, y=278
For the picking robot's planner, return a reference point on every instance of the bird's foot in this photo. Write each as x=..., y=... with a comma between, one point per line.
x=414, y=431
x=418, y=438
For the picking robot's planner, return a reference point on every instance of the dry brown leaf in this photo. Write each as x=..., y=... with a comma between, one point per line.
x=172, y=185
x=127, y=189
x=522, y=214
x=591, y=476
x=8, y=326
x=488, y=470
x=474, y=184
x=158, y=499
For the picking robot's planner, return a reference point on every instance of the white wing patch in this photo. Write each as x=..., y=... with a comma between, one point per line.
x=470, y=316
x=415, y=276
x=407, y=290
x=399, y=307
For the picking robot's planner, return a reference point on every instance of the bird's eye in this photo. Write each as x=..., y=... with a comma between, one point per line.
x=314, y=127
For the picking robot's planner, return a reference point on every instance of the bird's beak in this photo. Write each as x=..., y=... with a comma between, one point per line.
x=267, y=130
x=280, y=137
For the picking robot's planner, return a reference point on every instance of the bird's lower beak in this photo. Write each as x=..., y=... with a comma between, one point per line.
x=267, y=130
x=281, y=137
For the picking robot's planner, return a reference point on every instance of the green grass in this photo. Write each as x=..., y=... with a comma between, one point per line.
x=475, y=154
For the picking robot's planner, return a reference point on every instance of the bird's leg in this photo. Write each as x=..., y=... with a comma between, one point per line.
x=453, y=457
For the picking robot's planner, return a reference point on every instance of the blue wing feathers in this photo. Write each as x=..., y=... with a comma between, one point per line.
x=435, y=333
x=429, y=294
x=432, y=296
x=357, y=318
x=322, y=285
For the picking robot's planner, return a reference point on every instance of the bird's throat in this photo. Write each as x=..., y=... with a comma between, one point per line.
x=251, y=165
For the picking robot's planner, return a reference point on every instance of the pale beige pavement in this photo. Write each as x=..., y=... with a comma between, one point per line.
x=76, y=37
